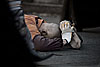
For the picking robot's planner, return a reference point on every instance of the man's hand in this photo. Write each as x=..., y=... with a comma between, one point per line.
x=70, y=35
x=67, y=30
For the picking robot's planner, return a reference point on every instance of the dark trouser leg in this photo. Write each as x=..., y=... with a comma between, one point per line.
x=23, y=48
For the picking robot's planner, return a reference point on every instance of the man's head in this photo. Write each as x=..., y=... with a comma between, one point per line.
x=50, y=30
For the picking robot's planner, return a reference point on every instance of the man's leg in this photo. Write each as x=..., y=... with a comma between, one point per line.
x=23, y=48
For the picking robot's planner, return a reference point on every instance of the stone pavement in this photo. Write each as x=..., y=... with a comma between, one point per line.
x=87, y=56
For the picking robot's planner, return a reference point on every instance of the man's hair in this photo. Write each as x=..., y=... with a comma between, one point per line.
x=50, y=30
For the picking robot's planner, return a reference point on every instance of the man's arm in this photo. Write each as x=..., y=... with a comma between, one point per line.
x=47, y=44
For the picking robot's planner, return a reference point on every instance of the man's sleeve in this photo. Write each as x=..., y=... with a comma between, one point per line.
x=46, y=44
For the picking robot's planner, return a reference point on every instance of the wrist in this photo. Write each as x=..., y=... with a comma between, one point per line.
x=65, y=42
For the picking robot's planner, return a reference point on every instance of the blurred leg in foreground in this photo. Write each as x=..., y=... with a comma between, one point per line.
x=20, y=46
